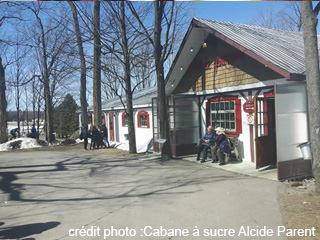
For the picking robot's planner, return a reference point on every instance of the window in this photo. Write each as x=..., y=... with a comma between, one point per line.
x=226, y=113
x=124, y=120
x=143, y=119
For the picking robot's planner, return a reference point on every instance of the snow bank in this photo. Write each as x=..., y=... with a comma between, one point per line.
x=140, y=148
x=19, y=143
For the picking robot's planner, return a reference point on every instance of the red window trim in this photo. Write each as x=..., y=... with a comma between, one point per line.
x=122, y=117
x=238, y=112
x=104, y=116
x=138, y=118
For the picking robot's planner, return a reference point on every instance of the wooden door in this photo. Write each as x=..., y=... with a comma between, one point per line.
x=111, y=126
x=265, y=132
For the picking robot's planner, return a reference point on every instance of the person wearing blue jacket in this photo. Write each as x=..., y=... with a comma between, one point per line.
x=205, y=143
x=222, y=145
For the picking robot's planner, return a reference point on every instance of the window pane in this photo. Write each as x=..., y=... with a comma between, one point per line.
x=222, y=106
x=223, y=115
x=125, y=120
x=143, y=121
x=227, y=105
x=232, y=105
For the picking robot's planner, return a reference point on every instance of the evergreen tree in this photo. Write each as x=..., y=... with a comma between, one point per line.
x=66, y=117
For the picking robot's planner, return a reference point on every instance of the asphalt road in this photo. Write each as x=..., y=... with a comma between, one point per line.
x=63, y=195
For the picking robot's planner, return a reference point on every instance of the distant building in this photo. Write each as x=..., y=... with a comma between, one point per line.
x=114, y=116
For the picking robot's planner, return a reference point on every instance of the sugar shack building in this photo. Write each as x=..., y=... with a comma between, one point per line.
x=250, y=81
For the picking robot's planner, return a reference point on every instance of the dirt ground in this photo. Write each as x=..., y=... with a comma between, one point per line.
x=299, y=205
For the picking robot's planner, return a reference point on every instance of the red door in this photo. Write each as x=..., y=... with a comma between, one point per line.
x=111, y=126
x=265, y=132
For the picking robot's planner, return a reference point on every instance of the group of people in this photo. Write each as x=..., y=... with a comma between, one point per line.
x=216, y=141
x=98, y=136
x=34, y=134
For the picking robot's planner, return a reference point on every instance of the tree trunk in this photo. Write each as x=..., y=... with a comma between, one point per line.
x=83, y=80
x=127, y=77
x=18, y=99
x=309, y=21
x=161, y=100
x=97, y=66
x=3, y=106
x=46, y=86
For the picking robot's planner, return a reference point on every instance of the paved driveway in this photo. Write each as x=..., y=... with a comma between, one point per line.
x=63, y=195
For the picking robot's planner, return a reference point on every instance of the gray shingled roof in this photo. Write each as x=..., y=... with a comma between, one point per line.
x=140, y=98
x=283, y=48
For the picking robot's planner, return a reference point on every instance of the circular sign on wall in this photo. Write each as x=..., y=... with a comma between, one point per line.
x=248, y=106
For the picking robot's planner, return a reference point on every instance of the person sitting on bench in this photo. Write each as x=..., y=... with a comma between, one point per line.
x=205, y=143
x=222, y=146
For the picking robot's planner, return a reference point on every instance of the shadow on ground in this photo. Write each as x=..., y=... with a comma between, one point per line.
x=22, y=231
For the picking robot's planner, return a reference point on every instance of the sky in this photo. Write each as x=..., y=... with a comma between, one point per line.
x=234, y=11
x=229, y=11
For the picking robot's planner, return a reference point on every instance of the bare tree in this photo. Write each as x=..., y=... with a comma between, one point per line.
x=51, y=41
x=310, y=21
x=18, y=78
x=83, y=80
x=288, y=18
x=3, y=105
x=164, y=29
x=119, y=21
x=5, y=15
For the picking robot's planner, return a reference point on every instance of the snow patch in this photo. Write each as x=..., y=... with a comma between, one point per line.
x=20, y=143
x=140, y=148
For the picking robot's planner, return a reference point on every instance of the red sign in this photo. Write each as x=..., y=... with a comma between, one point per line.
x=248, y=106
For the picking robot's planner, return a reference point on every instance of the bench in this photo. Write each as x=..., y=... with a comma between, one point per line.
x=234, y=148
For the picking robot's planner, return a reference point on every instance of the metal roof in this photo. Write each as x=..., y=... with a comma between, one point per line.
x=141, y=98
x=283, y=48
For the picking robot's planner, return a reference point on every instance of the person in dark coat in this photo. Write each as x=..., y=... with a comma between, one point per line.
x=84, y=135
x=33, y=133
x=100, y=137
x=13, y=133
x=221, y=146
x=104, y=131
x=205, y=143
x=94, y=138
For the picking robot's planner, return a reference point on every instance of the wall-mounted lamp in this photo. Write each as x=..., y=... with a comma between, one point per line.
x=191, y=49
x=204, y=45
x=181, y=68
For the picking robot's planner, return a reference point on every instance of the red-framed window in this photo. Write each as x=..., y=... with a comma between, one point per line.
x=103, y=115
x=124, y=119
x=225, y=112
x=143, y=119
